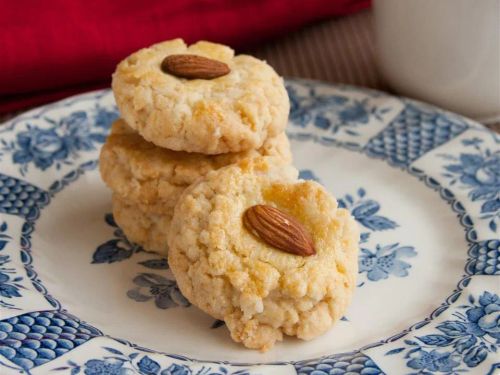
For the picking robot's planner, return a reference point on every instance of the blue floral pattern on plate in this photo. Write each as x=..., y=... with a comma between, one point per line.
x=478, y=171
x=118, y=363
x=316, y=108
x=365, y=212
x=148, y=286
x=117, y=249
x=62, y=142
x=385, y=260
x=462, y=343
x=165, y=292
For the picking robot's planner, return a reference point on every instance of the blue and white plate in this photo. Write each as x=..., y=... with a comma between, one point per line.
x=77, y=298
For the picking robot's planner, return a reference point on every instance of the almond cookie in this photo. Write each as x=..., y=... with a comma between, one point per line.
x=229, y=270
x=144, y=173
x=234, y=112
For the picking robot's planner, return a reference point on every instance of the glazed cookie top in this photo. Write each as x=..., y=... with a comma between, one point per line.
x=232, y=113
x=232, y=274
x=141, y=172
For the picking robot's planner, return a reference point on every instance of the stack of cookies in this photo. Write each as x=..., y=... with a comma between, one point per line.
x=200, y=169
x=181, y=119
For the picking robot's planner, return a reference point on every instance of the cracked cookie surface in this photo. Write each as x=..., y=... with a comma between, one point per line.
x=261, y=292
x=232, y=113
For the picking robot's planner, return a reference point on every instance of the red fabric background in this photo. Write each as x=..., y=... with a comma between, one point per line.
x=51, y=49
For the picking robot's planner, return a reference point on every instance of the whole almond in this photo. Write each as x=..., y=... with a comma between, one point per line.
x=194, y=67
x=278, y=229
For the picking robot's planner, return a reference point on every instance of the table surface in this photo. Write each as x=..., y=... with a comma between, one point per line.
x=340, y=50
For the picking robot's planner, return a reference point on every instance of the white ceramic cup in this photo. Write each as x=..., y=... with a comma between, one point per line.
x=445, y=52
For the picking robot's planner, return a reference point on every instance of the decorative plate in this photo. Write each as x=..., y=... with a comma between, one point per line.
x=77, y=298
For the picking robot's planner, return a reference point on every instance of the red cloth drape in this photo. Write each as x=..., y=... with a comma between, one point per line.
x=50, y=49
